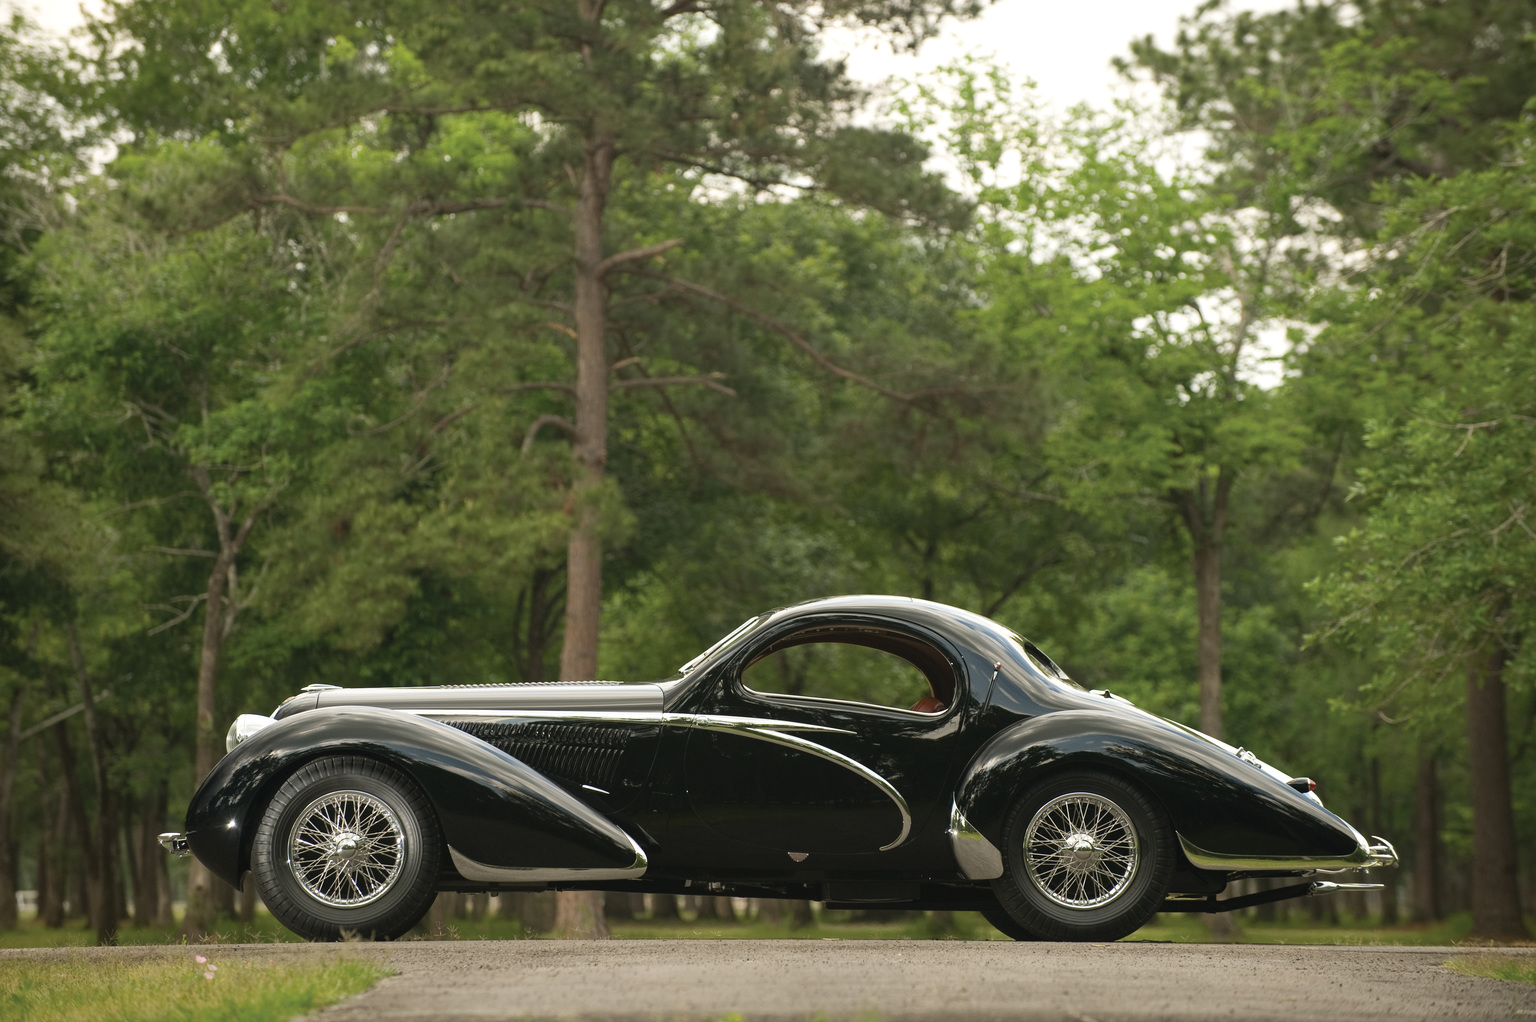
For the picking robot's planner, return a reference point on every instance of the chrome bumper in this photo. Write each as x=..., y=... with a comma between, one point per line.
x=1381, y=853
x=174, y=842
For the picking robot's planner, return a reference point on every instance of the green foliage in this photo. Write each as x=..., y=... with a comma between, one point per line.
x=87, y=991
x=1444, y=558
x=324, y=286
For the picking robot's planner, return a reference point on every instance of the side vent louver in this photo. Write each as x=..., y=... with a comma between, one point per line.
x=581, y=753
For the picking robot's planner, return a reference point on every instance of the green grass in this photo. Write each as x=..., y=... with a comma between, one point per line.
x=74, y=933
x=1170, y=927
x=1190, y=928
x=239, y=991
x=1521, y=970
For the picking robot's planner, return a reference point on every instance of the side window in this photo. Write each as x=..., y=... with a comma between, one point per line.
x=864, y=666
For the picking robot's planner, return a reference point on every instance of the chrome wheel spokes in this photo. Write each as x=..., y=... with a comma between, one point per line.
x=1080, y=850
x=346, y=849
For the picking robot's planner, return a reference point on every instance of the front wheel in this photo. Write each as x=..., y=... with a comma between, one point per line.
x=347, y=848
x=1087, y=857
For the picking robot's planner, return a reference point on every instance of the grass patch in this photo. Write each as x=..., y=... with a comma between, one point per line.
x=1521, y=970
x=1190, y=928
x=239, y=991
x=1178, y=928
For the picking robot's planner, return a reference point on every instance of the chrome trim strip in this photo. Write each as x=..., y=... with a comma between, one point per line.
x=1328, y=887
x=469, y=869
x=755, y=727
x=616, y=717
x=1363, y=857
x=977, y=857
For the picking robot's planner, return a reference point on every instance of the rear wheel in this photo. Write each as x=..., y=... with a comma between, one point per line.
x=1087, y=857
x=348, y=847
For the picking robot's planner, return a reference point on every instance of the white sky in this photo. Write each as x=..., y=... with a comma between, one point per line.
x=1064, y=45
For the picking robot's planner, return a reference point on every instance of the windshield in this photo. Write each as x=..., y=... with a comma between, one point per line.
x=734, y=633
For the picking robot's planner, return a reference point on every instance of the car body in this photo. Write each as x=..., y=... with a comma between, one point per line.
x=1006, y=788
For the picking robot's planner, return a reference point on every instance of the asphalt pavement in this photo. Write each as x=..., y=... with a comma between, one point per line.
x=894, y=981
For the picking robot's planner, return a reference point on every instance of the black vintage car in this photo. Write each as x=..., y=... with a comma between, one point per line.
x=866, y=750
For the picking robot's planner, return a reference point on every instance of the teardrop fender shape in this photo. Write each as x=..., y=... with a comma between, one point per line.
x=502, y=820
x=1214, y=800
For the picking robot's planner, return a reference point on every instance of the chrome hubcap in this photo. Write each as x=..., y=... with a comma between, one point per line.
x=1080, y=850
x=346, y=849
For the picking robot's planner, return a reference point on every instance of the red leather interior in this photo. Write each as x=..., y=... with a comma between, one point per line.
x=928, y=704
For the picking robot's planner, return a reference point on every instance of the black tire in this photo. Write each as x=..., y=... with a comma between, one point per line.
x=348, y=848
x=1109, y=883
x=1005, y=923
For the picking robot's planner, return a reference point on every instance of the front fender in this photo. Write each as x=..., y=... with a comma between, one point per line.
x=1212, y=798
x=493, y=809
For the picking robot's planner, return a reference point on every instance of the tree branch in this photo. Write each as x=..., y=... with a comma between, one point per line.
x=786, y=331
x=519, y=387
x=542, y=421
x=633, y=254
x=192, y=603
x=709, y=380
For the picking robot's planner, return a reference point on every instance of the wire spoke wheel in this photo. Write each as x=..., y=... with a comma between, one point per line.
x=346, y=849
x=1080, y=850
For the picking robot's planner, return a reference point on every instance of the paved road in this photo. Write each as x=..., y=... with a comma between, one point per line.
x=897, y=981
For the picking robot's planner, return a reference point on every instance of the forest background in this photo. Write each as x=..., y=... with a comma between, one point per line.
x=390, y=342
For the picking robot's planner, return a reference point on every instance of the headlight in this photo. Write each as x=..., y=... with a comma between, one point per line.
x=245, y=725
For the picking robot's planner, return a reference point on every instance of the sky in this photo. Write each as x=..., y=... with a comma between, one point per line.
x=1064, y=45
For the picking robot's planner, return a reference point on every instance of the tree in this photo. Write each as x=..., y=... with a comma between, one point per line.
x=159, y=372
x=1437, y=579
x=609, y=96
x=1140, y=292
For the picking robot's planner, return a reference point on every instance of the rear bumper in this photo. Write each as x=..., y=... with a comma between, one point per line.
x=1367, y=855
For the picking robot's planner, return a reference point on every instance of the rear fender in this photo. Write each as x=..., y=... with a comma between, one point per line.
x=501, y=819
x=1212, y=799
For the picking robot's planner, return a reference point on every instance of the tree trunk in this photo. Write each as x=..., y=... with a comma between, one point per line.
x=50, y=846
x=664, y=906
x=146, y=884
x=10, y=765
x=99, y=902
x=1207, y=531
x=1379, y=825
x=580, y=913
x=1495, y=889
x=800, y=914
x=1207, y=528
x=1426, y=842
x=203, y=897
x=579, y=916
x=725, y=910
x=1208, y=607
x=617, y=905
x=542, y=605
x=436, y=921
x=106, y=894
x=536, y=911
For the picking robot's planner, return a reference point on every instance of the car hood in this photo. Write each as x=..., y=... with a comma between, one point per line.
x=434, y=699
